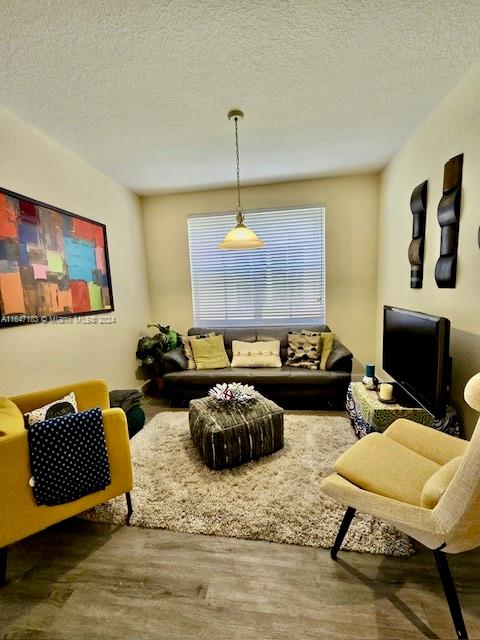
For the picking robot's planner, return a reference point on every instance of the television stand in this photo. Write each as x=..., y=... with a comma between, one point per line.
x=368, y=414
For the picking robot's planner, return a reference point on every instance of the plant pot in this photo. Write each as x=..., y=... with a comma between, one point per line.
x=160, y=383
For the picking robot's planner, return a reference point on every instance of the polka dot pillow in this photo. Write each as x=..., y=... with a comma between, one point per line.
x=67, y=404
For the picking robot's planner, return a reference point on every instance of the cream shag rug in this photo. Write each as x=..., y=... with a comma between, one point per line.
x=276, y=498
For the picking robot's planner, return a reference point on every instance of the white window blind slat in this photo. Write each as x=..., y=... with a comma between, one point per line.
x=284, y=282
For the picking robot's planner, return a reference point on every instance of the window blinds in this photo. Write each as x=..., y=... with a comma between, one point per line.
x=284, y=282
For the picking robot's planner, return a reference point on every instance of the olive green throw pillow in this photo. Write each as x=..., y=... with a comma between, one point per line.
x=209, y=353
x=326, y=341
x=187, y=349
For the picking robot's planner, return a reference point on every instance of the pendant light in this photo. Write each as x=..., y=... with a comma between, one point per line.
x=240, y=237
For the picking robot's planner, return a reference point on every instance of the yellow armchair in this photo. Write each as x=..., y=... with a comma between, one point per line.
x=20, y=516
x=423, y=482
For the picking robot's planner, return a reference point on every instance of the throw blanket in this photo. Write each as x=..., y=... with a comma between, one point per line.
x=125, y=398
x=68, y=457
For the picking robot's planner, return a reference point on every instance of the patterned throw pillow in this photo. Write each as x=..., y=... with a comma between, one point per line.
x=326, y=345
x=256, y=354
x=187, y=347
x=67, y=404
x=304, y=349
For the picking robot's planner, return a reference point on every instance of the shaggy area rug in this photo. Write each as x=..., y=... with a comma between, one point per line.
x=276, y=498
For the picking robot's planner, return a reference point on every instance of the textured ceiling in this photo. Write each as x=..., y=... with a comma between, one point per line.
x=141, y=88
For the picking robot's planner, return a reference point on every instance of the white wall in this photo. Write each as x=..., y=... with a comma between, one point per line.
x=351, y=238
x=453, y=128
x=40, y=356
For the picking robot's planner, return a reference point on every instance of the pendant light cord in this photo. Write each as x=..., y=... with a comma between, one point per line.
x=239, y=207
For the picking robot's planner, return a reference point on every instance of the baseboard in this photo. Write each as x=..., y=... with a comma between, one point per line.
x=143, y=386
x=357, y=377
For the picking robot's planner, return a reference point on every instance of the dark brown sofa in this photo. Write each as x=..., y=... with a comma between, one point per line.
x=288, y=386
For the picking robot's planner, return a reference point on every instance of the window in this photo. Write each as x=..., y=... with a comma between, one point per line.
x=284, y=282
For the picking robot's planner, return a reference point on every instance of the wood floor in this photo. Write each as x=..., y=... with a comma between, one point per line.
x=87, y=580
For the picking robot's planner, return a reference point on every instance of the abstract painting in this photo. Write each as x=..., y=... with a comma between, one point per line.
x=52, y=263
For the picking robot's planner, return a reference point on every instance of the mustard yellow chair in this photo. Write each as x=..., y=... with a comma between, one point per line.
x=423, y=482
x=19, y=514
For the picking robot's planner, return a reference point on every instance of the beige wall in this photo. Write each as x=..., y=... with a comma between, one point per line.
x=39, y=356
x=351, y=236
x=453, y=128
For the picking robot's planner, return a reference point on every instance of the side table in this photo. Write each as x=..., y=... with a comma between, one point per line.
x=368, y=414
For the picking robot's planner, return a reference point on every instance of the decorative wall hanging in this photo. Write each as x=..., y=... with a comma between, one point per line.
x=418, y=205
x=448, y=218
x=52, y=263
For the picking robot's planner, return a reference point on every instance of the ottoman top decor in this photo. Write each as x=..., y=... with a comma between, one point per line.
x=230, y=433
x=232, y=392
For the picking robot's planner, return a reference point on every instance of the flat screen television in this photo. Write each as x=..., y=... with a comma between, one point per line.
x=416, y=355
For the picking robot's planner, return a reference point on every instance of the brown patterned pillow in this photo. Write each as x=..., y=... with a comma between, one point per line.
x=187, y=347
x=304, y=349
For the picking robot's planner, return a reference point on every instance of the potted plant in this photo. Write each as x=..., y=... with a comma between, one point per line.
x=152, y=349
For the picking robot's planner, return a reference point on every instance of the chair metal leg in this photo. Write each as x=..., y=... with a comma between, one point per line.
x=3, y=566
x=129, y=507
x=450, y=593
x=342, y=532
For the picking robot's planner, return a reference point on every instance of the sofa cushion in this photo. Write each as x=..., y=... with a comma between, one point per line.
x=382, y=466
x=436, y=485
x=297, y=376
x=261, y=376
x=256, y=354
x=210, y=376
x=209, y=353
x=11, y=418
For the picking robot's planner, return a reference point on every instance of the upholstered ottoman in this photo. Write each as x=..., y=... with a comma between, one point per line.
x=229, y=435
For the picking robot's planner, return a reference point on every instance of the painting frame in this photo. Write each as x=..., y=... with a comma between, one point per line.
x=62, y=238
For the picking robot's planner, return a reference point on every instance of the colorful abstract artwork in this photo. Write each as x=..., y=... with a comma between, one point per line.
x=52, y=263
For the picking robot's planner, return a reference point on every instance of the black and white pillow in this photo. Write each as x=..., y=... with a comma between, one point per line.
x=304, y=349
x=62, y=407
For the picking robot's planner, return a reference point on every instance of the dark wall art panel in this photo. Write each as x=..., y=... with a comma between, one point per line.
x=52, y=263
x=418, y=206
x=448, y=218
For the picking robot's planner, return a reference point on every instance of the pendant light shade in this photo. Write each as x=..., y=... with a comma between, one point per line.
x=240, y=237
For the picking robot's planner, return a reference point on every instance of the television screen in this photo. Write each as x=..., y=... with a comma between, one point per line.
x=416, y=355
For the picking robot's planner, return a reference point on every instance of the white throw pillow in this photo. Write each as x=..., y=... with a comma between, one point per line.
x=67, y=404
x=256, y=354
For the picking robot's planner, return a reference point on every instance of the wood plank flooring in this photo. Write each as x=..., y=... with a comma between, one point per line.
x=83, y=580
x=88, y=580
